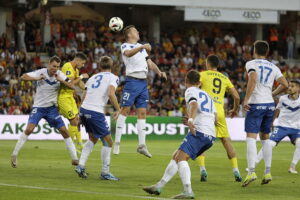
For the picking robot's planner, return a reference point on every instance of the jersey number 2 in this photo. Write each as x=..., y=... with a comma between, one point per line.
x=203, y=104
x=98, y=80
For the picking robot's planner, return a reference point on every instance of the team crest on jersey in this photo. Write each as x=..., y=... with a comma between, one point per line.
x=123, y=46
x=68, y=72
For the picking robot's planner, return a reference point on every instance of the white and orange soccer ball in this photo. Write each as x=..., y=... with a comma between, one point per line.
x=116, y=24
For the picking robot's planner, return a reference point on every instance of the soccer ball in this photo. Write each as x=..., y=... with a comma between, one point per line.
x=116, y=24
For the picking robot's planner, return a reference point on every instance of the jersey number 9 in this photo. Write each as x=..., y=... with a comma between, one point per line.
x=217, y=83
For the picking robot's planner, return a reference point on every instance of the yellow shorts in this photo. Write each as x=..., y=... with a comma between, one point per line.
x=221, y=127
x=67, y=107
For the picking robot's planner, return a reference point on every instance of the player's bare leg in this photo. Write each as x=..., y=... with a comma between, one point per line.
x=141, y=126
x=70, y=145
x=119, y=128
x=232, y=157
x=251, y=157
x=21, y=141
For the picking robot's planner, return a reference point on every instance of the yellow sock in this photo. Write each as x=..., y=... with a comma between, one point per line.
x=78, y=136
x=201, y=161
x=72, y=131
x=234, y=162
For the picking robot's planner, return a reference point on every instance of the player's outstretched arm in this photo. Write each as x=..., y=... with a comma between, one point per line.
x=113, y=100
x=236, y=102
x=76, y=81
x=155, y=68
x=132, y=52
x=26, y=77
x=67, y=82
x=250, y=88
x=282, y=87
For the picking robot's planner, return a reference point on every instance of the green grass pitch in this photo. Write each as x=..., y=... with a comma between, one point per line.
x=44, y=172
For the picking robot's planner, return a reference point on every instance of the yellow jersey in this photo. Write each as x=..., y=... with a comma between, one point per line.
x=72, y=73
x=215, y=84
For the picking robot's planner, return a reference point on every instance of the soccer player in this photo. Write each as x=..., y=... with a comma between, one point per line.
x=100, y=88
x=216, y=84
x=202, y=118
x=135, y=91
x=66, y=102
x=45, y=106
x=260, y=107
x=288, y=113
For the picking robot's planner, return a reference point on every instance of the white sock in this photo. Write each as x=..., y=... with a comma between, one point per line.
x=21, y=141
x=87, y=149
x=141, y=125
x=105, y=156
x=251, y=153
x=259, y=157
x=267, y=153
x=119, y=128
x=170, y=171
x=296, y=156
x=202, y=168
x=185, y=175
x=71, y=148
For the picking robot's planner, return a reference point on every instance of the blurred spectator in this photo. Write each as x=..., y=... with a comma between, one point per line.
x=290, y=46
x=176, y=53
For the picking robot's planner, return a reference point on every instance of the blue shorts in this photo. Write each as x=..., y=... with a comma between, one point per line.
x=135, y=92
x=94, y=122
x=196, y=145
x=50, y=114
x=280, y=132
x=259, y=118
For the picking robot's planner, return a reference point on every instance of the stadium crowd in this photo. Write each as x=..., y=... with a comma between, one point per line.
x=175, y=54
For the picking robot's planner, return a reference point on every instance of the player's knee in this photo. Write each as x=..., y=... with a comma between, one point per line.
x=64, y=132
x=28, y=131
x=74, y=121
x=125, y=111
x=142, y=114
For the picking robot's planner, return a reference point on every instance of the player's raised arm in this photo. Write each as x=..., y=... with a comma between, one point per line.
x=32, y=76
x=132, y=52
x=155, y=68
x=236, y=102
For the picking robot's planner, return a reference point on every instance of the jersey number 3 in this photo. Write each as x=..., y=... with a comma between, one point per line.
x=98, y=80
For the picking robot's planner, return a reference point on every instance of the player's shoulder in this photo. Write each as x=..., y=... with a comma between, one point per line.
x=67, y=65
x=251, y=62
x=42, y=70
x=192, y=91
x=284, y=97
